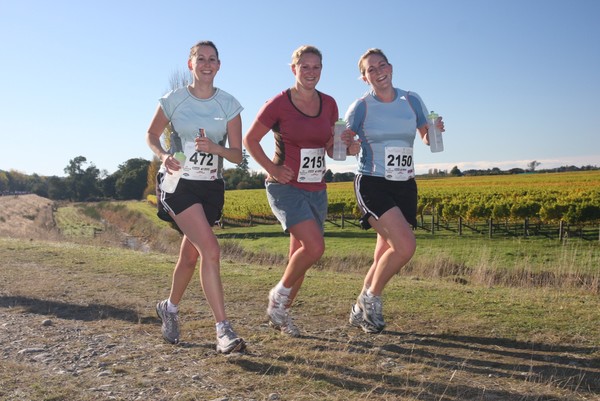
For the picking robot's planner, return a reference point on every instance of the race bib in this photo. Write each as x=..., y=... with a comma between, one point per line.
x=399, y=163
x=199, y=166
x=312, y=165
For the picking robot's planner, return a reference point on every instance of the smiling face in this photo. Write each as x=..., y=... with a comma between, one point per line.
x=376, y=71
x=204, y=63
x=308, y=70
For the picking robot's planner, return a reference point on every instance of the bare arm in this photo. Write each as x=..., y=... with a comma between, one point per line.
x=282, y=174
x=157, y=126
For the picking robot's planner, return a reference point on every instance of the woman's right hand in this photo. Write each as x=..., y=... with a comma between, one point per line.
x=282, y=174
x=171, y=164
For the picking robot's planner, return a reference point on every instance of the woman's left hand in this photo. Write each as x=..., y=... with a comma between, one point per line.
x=440, y=124
x=205, y=145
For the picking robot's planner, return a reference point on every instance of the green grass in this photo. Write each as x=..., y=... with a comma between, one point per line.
x=78, y=221
x=534, y=253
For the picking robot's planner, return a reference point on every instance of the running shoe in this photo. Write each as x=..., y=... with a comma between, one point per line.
x=372, y=308
x=289, y=328
x=356, y=320
x=278, y=314
x=228, y=341
x=170, y=322
x=356, y=316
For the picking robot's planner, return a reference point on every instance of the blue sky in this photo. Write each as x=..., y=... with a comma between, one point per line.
x=516, y=80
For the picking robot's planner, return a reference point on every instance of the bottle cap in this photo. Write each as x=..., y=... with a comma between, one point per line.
x=180, y=156
x=340, y=122
x=433, y=115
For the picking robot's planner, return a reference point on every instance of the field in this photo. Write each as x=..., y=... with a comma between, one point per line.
x=572, y=197
x=78, y=320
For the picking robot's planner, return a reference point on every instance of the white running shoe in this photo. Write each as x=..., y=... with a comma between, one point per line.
x=372, y=308
x=356, y=320
x=228, y=341
x=289, y=328
x=170, y=322
x=278, y=314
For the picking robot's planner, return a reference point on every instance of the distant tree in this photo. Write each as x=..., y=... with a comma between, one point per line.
x=3, y=182
x=18, y=181
x=82, y=183
x=108, y=186
x=243, y=165
x=328, y=175
x=531, y=166
x=455, y=172
x=151, y=176
x=38, y=185
x=131, y=178
x=343, y=177
x=58, y=188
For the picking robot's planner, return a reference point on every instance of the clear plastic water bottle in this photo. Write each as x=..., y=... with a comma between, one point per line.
x=436, y=143
x=339, y=147
x=170, y=181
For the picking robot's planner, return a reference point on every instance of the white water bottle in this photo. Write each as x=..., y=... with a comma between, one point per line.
x=339, y=147
x=436, y=143
x=170, y=181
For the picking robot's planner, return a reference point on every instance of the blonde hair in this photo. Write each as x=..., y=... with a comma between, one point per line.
x=302, y=50
x=194, y=48
x=367, y=54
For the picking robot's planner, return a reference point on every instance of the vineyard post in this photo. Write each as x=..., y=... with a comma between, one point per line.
x=343, y=217
x=490, y=227
x=459, y=226
x=560, y=231
x=432, y=220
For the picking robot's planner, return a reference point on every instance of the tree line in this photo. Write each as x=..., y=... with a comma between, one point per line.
x=136, y=179
x=133, y=180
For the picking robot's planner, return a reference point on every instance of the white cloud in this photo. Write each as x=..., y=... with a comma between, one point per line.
x=508, y=164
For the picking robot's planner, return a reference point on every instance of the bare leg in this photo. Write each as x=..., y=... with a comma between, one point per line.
x=381, y=246
x=184, y=270
x=396, y=244
x=198, y=232
x=306, y=248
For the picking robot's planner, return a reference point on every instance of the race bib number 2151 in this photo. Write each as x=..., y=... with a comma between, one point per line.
x=312, y=165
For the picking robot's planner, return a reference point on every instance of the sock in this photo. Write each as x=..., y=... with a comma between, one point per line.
x=369, y=293
x=171, y=307
x=282, y=290
x=221, y=324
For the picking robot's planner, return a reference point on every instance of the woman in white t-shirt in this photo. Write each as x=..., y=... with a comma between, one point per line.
x=207, y=127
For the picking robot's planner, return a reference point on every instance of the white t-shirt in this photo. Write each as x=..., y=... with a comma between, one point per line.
x=188, y=114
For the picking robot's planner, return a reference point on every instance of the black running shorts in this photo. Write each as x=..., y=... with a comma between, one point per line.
x=376, y=195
